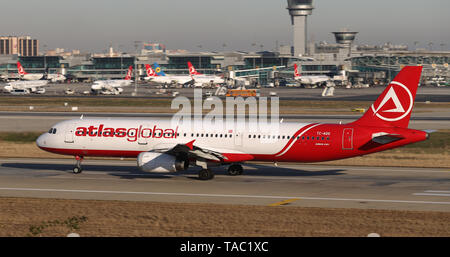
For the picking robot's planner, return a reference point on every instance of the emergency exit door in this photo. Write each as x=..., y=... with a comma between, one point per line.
x=347, y=139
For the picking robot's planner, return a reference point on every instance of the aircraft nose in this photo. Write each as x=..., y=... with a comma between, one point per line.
x=41, y=140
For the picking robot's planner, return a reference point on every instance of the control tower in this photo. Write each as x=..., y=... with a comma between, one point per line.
x=345, y=39
x=299, y=10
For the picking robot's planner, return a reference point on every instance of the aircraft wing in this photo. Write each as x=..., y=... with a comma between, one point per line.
x=200, y=153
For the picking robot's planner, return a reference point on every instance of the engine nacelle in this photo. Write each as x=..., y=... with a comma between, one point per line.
x=160, y=162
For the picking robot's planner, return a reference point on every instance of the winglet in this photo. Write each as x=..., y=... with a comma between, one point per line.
x=191, y=144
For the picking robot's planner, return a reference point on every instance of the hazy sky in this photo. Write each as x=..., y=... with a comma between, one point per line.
x=92, y=25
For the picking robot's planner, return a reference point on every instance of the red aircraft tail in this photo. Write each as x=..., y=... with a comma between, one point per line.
x=393, y=107
x=296, y=73
x=192, y=70
x=150, y=71
x=130, y=69
x=20, y=69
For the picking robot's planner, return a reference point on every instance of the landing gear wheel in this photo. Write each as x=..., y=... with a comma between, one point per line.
x=235, y=169
x=205, y=174
x=77, y=170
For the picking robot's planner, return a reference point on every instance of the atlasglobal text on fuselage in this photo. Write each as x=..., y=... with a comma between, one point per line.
x=160, y=145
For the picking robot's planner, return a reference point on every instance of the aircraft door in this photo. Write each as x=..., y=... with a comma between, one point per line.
x=238, y=138
x=347, y=139
x=69, y=132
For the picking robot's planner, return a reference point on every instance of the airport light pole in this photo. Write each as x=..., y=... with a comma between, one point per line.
x=136, y=44
x=200, y=57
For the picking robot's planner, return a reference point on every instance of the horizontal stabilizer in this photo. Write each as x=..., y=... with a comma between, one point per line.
x=384, y=138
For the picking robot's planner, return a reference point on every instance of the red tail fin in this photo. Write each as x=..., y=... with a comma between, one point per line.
x=150, y=71
x=192, y=70
x=20, y=69
x=393, y=107
x=128, y=76
x=296, y=74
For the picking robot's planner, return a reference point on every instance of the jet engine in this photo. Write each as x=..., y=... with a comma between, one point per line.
x=160, y=162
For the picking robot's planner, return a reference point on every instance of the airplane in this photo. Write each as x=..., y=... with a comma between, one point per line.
x=56, y=77
x=309, y=80
x=165, y=146
x=112, y=86
x=201, y=79
x=30, y=86
x=161, y=78
x=28, y=76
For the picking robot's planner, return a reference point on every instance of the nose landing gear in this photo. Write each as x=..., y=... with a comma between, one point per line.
x=77, y=169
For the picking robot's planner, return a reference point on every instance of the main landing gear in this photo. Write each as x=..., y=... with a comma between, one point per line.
x=235, y=169
x=204, y=173
x=77, y=169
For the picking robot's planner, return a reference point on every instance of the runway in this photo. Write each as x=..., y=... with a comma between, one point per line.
x=304, y=185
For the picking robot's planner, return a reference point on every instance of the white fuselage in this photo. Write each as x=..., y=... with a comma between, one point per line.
x=204, y=79
x=110, y=85
x=168, y=79
x=56, y=77
x=312, y=79
x=141, y=135
x=32, y=76
x=30, y=85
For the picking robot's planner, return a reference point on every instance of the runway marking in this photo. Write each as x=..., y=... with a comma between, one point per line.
x=221, y=195
x=284, y=202
x=434, y=193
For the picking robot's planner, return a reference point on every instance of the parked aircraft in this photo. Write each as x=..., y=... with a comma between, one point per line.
x=201, y=79
x=164, y=78
x=112, y=86
x=309, y=80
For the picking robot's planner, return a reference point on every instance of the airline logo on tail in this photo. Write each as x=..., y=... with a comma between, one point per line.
x=396, y=103
x=158, y=70
x=192, y=70
x=128, y=77
x=393, y=107
x=20, y=69
x=150, y=71
x=296, y=74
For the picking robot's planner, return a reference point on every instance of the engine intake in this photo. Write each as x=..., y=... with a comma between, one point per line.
x=160, y=162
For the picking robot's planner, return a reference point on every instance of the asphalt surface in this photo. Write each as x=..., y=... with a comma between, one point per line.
x=423, y=189
x=433, y=94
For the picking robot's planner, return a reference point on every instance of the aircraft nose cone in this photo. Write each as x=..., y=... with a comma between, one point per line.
x=41, y=140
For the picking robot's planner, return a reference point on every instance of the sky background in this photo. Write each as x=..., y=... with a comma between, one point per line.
x=93, y=25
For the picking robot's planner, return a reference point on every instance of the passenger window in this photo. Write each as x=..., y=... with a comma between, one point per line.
x=307, y=138
x=322, y=138
x=283, y=137
x=328, y=138
x=312, y=138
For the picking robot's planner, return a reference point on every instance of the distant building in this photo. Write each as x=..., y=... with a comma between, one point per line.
x=24, y=46
x=153, y=48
